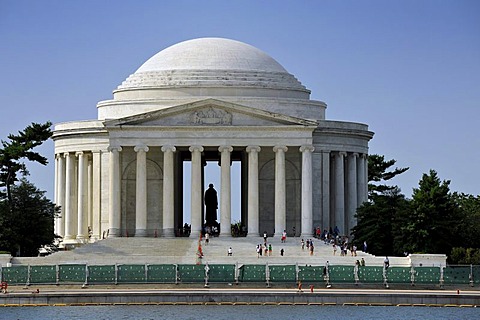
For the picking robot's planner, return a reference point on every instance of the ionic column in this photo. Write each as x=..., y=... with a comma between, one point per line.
x=351, y=191
x=196, y=191
x=168, y=195
x=253, y=217
x=55, y=195
x=114, y=188
x=69, y=196
x=307, y=213
x=280, y=187
x=96, y=193
x=340, y=192
x=61, y=195
x=141, y=192
x=89, y=193
x=362, y=183
x=326, y=189
x=365, y=177
x=82, y=197
x=225, y=193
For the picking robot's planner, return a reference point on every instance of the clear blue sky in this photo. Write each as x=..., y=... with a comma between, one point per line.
x=409, y=69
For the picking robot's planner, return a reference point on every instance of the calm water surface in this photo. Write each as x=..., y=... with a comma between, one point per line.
x=238, y=312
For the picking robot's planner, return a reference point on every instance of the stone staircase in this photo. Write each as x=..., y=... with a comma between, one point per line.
x=184, y=251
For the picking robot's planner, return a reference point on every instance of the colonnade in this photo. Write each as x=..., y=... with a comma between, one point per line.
x=78, y=190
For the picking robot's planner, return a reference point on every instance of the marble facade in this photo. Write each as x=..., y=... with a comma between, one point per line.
x=208, y=99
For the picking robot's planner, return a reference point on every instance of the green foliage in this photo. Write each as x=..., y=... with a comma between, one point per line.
x=20, y=147
x=431, y=223
x=461, y=255
x=377, y=172
x=27, y=223
x=377, y=221
x=469, y=221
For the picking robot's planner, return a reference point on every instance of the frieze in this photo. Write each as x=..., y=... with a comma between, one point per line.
x=211, y=116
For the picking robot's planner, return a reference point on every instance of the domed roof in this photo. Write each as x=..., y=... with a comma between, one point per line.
x=211, y=63
x=211, y=54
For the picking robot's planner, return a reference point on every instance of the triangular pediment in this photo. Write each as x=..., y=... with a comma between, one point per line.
x=209, y=112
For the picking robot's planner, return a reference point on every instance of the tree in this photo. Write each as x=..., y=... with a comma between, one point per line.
x=431, y=224
x=19, y=148
x=377, y=221
x=27, y=221
x=377, y=172
x=469, y=222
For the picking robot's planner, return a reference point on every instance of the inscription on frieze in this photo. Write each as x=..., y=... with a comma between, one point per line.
x=211, y=116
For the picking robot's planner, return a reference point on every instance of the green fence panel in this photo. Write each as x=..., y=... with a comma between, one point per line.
x=221, y=273
x=283, y=273
x=191, y=272
x=341, y=274
x=71, y=273
x=399, y=275
x=429, y=275
x=370, y=274
x=161, y=273
x=15, y=274
x=131, y=273
x=101, y=274
x=252, y=273
x=309, y=273
x=476, y=274
x=43, y=274
x=456, y=275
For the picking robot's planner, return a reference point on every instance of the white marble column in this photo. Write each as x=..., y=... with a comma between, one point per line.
x=69, y=197
x=280, y=188
x=362, y=184
x=57, y=220
x=96, y=193
x=168, y=194
x=141, y=192
x=340, y=192
x=225, y=191
x=307, y=210
x=365, y=181
x=89, y=193
x=196, y=191
x=82, y=233
x=253, y=216
x=351, y=191
x=60, y=198
x=115, y=193
x=326, y=190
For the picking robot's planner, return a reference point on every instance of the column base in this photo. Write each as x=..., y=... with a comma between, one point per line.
x=194, y=234
x=141, y=233
x=306, y=235
x=114, y=233
x=225, y=235
x=168, y=233
x=253, y=235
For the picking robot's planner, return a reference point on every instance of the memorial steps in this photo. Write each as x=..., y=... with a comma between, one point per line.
x=184, y=251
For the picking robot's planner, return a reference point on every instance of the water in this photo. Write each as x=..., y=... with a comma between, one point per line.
x=238, y=312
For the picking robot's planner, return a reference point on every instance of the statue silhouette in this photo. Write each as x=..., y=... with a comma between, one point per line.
x=211, y=205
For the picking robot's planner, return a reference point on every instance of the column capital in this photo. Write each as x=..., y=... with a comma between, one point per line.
x=141, y=147
x=364, y=156
x=280, y=148
x=79, y=153
x=196, y=148
x=342, y=153
x=306, y=148
x=66, y=154
x=58, y=155
x=253, y=149
x=355, y=154
x=168, y=148
x=225, y=148
x=114, y=149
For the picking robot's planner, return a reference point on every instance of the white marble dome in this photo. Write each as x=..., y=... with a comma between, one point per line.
x=211, y=62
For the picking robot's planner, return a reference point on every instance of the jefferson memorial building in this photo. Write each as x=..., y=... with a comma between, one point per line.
x=208, y=99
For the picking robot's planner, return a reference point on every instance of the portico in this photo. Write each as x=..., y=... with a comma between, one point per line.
x=122, y=175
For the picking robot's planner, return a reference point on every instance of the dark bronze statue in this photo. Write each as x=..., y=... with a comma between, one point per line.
x=211, y=205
